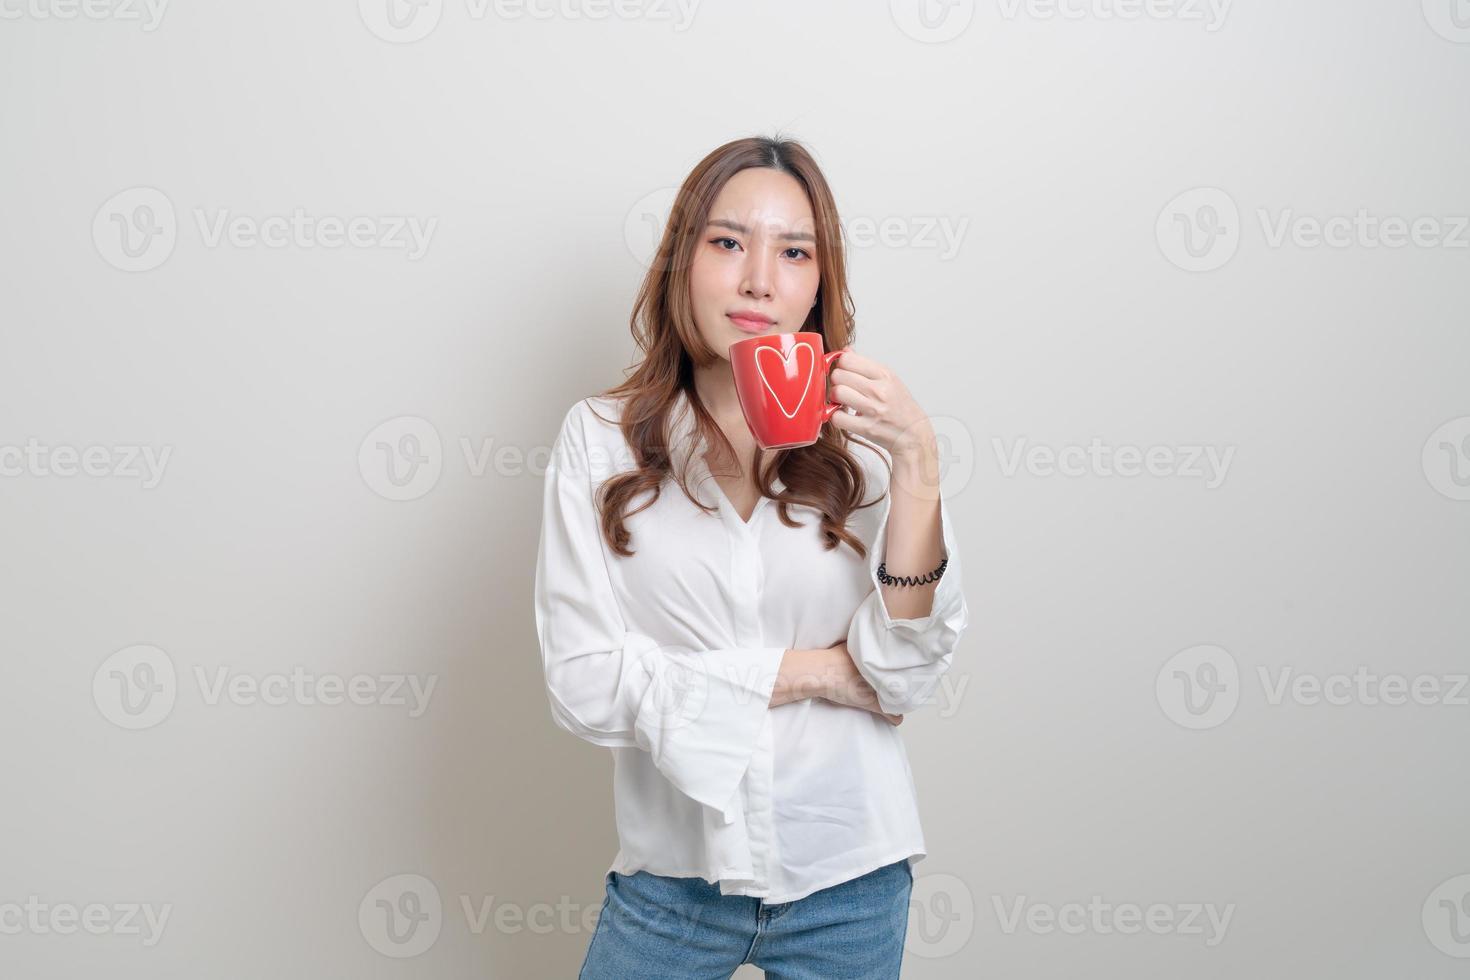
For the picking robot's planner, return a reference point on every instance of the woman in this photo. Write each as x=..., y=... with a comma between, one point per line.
x=726, y=619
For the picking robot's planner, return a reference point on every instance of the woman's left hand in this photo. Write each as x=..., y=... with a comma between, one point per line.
x=887, y=413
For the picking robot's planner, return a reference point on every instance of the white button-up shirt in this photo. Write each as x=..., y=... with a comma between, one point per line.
x=669, y=658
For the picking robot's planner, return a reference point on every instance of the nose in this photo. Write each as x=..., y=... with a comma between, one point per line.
x=756, y=283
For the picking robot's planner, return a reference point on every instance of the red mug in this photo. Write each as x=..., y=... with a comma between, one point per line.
x=781, y=380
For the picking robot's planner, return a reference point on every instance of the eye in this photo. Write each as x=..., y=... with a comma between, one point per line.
x=801, y=253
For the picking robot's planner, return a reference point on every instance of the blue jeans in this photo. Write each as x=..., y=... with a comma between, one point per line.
x=654, y=927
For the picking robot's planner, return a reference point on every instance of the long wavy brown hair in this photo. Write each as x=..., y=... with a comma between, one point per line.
x=824, y=475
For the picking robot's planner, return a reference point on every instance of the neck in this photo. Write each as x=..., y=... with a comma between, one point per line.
x=715, y=384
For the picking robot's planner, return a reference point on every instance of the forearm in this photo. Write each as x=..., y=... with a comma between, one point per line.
x=803, y=674
x=915, y=540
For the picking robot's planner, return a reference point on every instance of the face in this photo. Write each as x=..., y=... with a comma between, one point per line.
x=756, y=255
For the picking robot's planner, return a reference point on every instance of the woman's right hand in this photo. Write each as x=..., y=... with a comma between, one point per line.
x=844, y=684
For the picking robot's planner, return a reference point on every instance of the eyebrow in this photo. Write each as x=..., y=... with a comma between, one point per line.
x=794, y=236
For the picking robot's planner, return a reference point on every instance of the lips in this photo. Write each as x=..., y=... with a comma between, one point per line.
x=751, y=322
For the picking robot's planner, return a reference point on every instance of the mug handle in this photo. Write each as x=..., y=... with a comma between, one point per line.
x=831, y=408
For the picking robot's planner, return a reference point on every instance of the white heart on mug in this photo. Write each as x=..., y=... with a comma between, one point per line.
x=785, y=361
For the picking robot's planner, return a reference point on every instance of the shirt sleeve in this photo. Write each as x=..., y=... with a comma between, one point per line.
x=698, y=712
x=904, y=659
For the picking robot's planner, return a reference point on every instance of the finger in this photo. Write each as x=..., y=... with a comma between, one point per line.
x=848, y=395
x=860, y=424
x=861, y=363
x=863, y=383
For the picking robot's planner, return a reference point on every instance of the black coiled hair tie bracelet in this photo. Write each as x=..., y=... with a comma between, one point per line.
x=933, y=576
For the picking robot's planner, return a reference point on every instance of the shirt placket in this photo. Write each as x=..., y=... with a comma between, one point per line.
x=747, y=574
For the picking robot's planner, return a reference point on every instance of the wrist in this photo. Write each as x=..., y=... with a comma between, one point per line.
x=804, y=674
x=917, y=447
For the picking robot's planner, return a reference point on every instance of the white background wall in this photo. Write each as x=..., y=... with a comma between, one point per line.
x=1075, y=753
